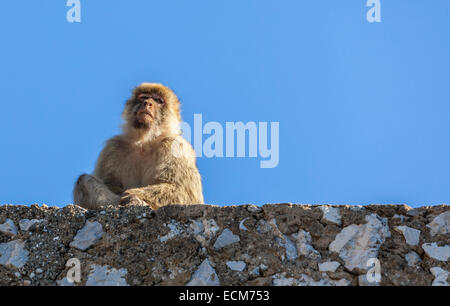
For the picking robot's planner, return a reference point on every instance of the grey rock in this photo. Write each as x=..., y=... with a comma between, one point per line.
x=87, y=236
x=331, y=214
x=210, y=228
x=175, y=230
x=204, y=276
x=363, y=281
x=342, y=282
x=412, y=258
x=226, y=238
x=26, y=224
x=413, y=212
x=329, y=266
x=197, y=227
x=280, y=280
x=401, y=217
x=437, y=252
x=412, y=236
x=106, y=276
x=236, y=265
x=254, y=209
x=440, y=225
x=356, y=244
x=255, y=272
x=13, y=254
x=440, y=277
x=305, y=280
x=304, y=247
x=8, y=228
x=263, y=227
x=291, y=250
x=64, y=282
x=242, y=225
x=357, y=208
x=263, y=267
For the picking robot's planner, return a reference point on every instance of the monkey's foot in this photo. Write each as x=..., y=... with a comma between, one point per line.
x=130, y=199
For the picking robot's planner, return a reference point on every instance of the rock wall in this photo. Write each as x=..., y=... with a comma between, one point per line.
x=279, y=244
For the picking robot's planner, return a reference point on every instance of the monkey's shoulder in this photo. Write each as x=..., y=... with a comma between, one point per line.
x=116, y=142
x=169, y=139
x=114, y=146
x=176, y=145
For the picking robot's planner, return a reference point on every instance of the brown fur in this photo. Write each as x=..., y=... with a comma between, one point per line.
x=150, y=163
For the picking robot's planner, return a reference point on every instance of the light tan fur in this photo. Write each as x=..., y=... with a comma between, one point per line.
x=150, y=163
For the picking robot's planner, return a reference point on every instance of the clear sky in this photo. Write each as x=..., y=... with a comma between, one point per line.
x=363, y=108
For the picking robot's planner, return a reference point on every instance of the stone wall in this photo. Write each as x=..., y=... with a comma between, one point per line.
x=240, y=245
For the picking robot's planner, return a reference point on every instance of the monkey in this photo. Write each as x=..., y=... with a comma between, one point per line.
x=149, y=163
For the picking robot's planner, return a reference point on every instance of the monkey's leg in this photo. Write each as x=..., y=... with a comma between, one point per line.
x=159, y=195
x=91, y=193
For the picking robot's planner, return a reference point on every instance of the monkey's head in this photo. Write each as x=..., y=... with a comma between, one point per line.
x=153, y=109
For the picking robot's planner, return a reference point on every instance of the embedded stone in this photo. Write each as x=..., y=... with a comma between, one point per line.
x=13, y=253
x=440, y=225
x=210, y=228
x=242, y=225
x=197, y=227
x=26, y=224
x=305, y=280
x=226, y=238
x=289, y=246
x=364, y=282
x=175, y=231
x=412, y=258
x=304, y=246
x=87, y=236
x=437, y=252
x=204, y=276
x=236, y=265
x=440, y=277
x=64, y=282
x=8, y=228
x=356, y=244
x=329, y=266
x=412, y=236
x=106, y=276
x=331, y=214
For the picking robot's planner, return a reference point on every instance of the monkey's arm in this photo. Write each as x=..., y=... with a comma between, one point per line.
x=91, y=193
x=177, y=181
x=100, y=189
x=107, y=163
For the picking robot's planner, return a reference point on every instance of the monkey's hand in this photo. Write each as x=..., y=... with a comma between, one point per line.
x=128, y=198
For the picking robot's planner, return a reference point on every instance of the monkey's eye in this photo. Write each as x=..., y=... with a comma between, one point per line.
x=158, y=100
x=144, y=97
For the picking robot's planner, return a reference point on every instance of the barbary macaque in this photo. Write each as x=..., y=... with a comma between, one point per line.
x=149, y=163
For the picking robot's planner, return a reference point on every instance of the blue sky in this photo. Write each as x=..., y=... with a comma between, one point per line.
x=363, y=107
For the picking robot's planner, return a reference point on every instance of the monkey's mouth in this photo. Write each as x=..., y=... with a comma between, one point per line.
x=144, y=114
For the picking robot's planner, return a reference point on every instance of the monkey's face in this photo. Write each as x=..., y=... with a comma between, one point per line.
x=147, y=109
x=152, y=107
